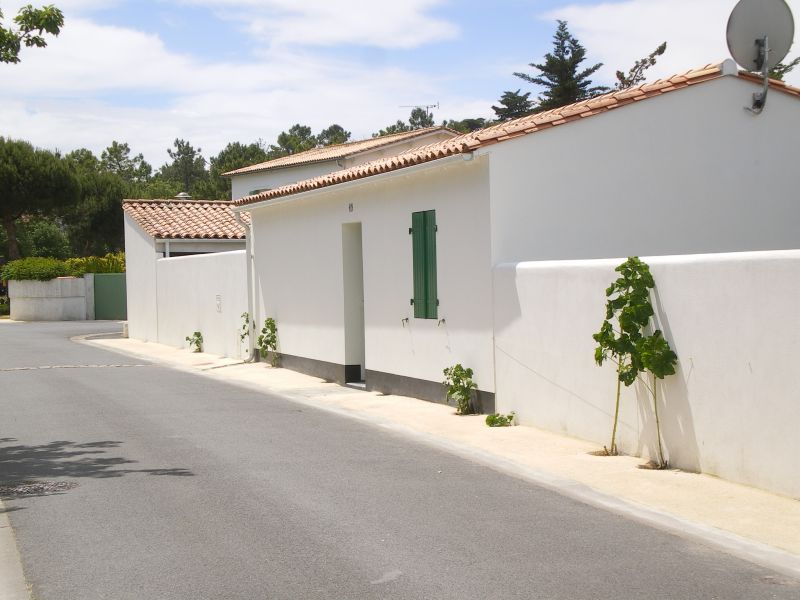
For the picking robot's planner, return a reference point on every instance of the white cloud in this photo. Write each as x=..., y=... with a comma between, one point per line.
x=406, y=24
x=55, y=97
x=618, y=33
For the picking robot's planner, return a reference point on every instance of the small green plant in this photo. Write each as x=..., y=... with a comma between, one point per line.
x=498, y=420
x=268, y=341
x=244, y=332
x=628, y=303
x=195, y=341
x=460, y=386
x=5, y=308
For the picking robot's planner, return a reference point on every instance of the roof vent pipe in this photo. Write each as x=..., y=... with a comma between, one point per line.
x=183, y=196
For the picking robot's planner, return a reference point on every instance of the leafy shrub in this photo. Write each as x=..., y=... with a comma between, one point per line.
x=110, y=263
x=498, y=420
x=5, y=308
x=460, y=385
x=35, y=268
x=195, y=341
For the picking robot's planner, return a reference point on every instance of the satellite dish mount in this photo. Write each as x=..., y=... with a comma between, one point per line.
x=760, y=98
x=760, y=34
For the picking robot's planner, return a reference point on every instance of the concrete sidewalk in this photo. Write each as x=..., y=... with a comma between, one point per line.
x=750, y=523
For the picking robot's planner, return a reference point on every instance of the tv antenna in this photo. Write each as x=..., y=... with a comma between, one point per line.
x=427, y=107
x=760, y=34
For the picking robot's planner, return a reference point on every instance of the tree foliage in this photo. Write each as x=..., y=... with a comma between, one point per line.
x=419, y=118
x=187, y=167
x=33, y=182
x=233, y=156
x=466, y=125
x=28, y=30
x=297, y=139
x=335, y=134
x=559, y=74
x=94, y=221
x=43, y=236
x=781, y=70
x=117, y=159
x=513, y=105
x=635, y=74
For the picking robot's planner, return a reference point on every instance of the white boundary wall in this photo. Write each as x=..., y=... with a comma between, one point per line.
x=731, y=409
x=206, y=293
x=59, y=299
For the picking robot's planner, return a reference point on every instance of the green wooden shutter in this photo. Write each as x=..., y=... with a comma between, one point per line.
x=431, y=295
x=418, y=243
x=423, y=238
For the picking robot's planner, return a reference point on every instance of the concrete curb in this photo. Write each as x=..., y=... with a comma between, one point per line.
x=12, y=577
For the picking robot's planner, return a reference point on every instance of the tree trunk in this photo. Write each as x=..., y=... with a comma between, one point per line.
x=11, y=234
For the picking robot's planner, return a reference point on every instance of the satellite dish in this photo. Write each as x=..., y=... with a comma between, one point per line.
x=760, y=34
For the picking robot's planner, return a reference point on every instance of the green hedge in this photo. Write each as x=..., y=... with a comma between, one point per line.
x=37, y=268
x=44, y=269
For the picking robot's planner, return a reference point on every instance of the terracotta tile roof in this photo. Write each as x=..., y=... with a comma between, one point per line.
x=337, y=151
x=511, y=129
x=186, y=219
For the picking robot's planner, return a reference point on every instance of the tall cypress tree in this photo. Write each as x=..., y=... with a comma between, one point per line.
x=559, y=75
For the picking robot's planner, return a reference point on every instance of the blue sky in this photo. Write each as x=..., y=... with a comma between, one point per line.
x=216, y=71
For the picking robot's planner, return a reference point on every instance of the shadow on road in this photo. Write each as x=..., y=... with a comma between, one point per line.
x=64, y=459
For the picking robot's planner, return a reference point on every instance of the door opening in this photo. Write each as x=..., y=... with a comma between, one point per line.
x=353, y=279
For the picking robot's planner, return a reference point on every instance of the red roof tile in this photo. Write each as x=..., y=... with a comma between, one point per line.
x=336, y=151
x=186, y=219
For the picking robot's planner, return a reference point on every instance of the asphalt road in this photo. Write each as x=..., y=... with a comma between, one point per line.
x=188, y=488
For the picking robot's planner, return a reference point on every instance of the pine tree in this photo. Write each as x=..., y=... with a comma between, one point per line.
x=559, y=74
x=513, y=105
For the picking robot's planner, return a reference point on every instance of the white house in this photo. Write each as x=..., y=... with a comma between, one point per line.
x=672, y=167
x=167, y=296
x=492, y=249
x=183, y=277
x=319, y=161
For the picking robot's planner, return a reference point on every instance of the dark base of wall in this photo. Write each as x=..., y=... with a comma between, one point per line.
x=433, y=391
x=317, y=368
x=378, y=381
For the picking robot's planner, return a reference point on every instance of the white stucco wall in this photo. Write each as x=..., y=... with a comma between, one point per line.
x=299, y=274
x=140, y=267
x=206, y=293
x=731, y=409
x=243, y=185
x=687, y=172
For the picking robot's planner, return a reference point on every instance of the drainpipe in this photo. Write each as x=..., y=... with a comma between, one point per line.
x=248, y=241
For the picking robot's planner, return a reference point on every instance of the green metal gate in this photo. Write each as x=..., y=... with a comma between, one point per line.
x=109, y=297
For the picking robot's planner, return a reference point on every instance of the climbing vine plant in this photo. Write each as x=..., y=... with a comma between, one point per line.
x=623, y=341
